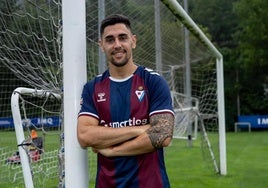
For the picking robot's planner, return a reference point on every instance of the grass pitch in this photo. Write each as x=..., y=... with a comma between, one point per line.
x=247, y=163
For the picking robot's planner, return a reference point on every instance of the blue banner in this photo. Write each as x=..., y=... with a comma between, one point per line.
x=256, y=121
x=51, y=121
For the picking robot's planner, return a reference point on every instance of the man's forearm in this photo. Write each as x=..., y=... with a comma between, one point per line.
x=90, y=134
x=162, y=126
x=113, y=136
x=136, y=146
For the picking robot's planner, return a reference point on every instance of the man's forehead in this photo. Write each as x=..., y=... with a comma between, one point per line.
x=116, y=30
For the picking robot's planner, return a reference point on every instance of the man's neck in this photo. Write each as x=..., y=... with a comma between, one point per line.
x=122, y=72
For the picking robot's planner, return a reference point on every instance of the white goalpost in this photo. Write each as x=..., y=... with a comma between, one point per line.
x=74, y=77
x=179, y=12
x=20, y=137
x=52, y=46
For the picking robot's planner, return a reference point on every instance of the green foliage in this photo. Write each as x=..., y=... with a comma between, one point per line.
x=217, y=16
x=253, y=32
x=240, y=29
x=252, y=37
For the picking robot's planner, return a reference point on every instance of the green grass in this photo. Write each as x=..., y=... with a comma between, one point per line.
x=247, y=163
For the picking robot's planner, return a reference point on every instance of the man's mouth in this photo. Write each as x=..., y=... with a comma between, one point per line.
x=118, y=53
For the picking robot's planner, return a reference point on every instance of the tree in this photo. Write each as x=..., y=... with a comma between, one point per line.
x=218, y=17
x=252, y=37
x=221, y=22
x=240, y=29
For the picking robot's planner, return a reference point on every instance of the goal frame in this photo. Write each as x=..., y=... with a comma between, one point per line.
x=15, y=108
x=180, y=13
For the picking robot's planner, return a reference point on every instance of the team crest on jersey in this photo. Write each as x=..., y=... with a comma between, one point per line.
x=140, y=93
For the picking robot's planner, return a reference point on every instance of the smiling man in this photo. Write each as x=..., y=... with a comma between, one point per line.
x=126, y=115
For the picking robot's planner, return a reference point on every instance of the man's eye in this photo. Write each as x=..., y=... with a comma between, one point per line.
x=109, y=40
x=123, y=37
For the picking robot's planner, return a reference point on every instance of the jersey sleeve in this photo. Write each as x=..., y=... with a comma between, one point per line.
x=87, y=103
x=160, y=97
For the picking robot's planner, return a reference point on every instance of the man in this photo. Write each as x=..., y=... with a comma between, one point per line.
x=126, y=115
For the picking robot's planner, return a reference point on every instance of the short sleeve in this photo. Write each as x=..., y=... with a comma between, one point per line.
x=160, y=97
x=87, y=103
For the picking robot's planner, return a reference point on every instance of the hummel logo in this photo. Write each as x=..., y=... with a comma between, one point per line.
x=101, y=97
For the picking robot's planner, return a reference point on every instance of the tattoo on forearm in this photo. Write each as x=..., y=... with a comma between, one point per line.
x=161, y=128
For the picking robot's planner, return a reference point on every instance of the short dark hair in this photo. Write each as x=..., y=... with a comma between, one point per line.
x=114, y=19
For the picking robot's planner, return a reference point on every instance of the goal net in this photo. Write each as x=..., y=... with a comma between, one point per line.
x=37, y=120
x=31, y=49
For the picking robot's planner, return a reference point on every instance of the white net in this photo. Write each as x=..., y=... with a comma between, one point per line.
x=30, y=43
x=31, y=48
x=185, y=116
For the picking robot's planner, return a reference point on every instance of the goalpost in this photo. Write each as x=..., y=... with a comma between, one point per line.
x=74, y=77
x=34, y=111
x=53, y=46
x=179, y=12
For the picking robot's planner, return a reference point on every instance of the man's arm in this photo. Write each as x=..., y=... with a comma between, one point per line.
x=158, y=135
x=161, y=130
x=90, y=134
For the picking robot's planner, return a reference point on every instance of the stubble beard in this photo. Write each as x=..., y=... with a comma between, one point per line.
x=120, y=63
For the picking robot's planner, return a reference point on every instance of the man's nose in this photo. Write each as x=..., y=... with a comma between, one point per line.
x=117, y=43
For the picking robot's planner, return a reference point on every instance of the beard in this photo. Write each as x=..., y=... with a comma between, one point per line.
x=120, y=63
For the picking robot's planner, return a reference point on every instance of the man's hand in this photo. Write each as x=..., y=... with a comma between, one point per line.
x=107, y=152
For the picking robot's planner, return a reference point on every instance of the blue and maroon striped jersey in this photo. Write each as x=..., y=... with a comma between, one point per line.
x=128, y=102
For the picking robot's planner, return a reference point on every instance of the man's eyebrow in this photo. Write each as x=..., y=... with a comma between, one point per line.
x=108, y=36
x=120, y=35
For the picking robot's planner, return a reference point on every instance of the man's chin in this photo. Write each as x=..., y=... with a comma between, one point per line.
x=119, y=63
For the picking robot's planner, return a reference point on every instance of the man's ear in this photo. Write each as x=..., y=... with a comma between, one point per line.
x=134, y=41
x=100, y=45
